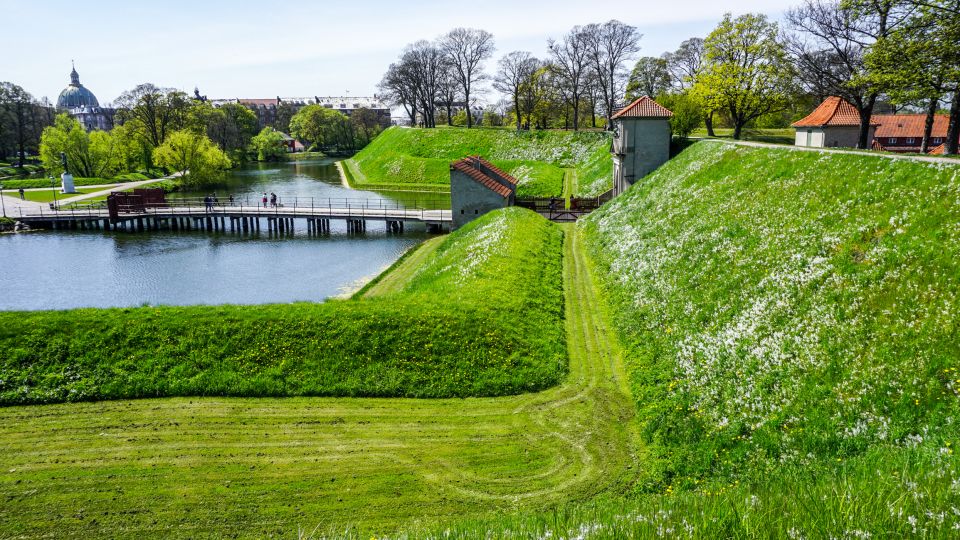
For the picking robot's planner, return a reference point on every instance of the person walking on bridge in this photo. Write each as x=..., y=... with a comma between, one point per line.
x=208, y=203
x=264, y=200
x=273, y=200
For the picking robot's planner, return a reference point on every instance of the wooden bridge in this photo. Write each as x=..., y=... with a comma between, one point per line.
x=197, y=214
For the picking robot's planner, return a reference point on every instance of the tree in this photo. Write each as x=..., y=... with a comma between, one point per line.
x=746, y=70
x=465, y=50
x=514, y=73
x=570, y=63
x=830, y=45
x=650, y=77
x=366, y=125
x=268, y=145
x=609, y=47
x=914, y=63
x=323, y=128
x=425, y=64
x=89, y=155
x=20, y=120
x=398, y=88
x=193, y=155
x=155, y=112
x=687, y=114
x=685, y=63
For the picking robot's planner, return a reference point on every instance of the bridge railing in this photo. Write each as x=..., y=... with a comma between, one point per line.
x=337, y=208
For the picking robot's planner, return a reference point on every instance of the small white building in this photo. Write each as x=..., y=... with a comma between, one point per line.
x=641, y=141
x=834, y=124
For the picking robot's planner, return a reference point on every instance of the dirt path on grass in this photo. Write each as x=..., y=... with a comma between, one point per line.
x=260, y=467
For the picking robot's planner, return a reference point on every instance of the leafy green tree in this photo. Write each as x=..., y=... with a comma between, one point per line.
x=650, y=77
x=268, y=145
x=366, y=125
x=321, y=127
x=195, y=156
x=92, y=154
x=687, y=113
x=919, y=62
x=22, y=120
x=746, y=71
x=155, y=112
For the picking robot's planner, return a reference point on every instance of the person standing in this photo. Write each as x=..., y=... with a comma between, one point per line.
x=264, y=200
x=23, y=195
x=273, y=200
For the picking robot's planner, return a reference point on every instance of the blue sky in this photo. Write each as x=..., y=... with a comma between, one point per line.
x=264, y=49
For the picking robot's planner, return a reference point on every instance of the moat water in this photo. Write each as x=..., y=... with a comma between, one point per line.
x=63, y=270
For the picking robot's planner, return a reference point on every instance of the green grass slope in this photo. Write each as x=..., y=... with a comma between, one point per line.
x=788, y=309
x=420, y=158
x=213, y=467
x=484, y=319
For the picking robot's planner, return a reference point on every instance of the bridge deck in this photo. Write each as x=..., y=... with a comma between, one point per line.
x=319, y=212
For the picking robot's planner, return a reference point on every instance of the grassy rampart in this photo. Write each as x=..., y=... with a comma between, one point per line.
x=787, y=309
x=484, y=318
x=404, y=157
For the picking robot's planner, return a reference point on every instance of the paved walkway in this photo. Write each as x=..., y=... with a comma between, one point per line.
x=16, y=207
x=906, y=157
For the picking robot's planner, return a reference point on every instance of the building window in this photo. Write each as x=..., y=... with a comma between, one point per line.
x=938, y=140
x=892, y=140
x=910, y=141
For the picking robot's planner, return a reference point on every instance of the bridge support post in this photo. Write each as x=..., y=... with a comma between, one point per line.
x=106, y=224
x=139, y=224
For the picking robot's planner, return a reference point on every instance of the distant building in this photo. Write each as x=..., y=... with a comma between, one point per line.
x=904, y=132
x=478, y=187
x=292, y=145
x=266, y=109
x=81, y=104
x=834, y=124
x=641, y=141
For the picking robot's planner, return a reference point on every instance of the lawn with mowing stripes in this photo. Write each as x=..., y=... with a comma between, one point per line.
x=214, y=467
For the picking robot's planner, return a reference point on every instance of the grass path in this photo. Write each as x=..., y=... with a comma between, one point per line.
x=259, y=467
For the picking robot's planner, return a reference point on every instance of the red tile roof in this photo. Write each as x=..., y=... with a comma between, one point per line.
x=910, y=126
x=834, y=111
x=645, y=107
x=503, y=176
x=469, y=167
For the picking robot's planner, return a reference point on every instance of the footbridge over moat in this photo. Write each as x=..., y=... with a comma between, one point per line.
x=197, y=214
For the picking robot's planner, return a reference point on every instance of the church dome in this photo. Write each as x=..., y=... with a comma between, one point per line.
x=76, y=95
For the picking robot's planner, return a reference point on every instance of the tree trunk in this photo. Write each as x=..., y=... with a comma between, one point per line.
x=516, y=109
x=866, y=115
x=466, y=104
x=449, y=113
x=576, y=114
x=737, y=129
x=953, y=131
x=708, y=121
x=928, y=126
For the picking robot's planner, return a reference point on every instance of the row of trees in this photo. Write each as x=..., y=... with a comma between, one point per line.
x=748, y=71
x=22, y=119
x=585, y=71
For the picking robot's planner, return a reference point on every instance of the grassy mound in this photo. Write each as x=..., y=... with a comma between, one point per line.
x=484, y=318
x=420, y=158
x=788, y=309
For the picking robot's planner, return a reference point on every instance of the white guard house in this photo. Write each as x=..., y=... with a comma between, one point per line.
x=641, y=141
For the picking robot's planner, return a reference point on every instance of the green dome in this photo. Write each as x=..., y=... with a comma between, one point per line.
x=76, y=95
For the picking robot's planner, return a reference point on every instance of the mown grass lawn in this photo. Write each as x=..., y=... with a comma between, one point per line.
x=764, y=135
x=421, y=157
x=483, y=318
x=47, y=195
x=252, y=468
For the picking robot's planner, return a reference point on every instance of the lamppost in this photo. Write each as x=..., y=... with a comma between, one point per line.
x=1, y=201
x=54, y=189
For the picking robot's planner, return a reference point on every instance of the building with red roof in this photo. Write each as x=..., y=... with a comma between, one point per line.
x=641, y=141
x=836, y=123
x=477, y=187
